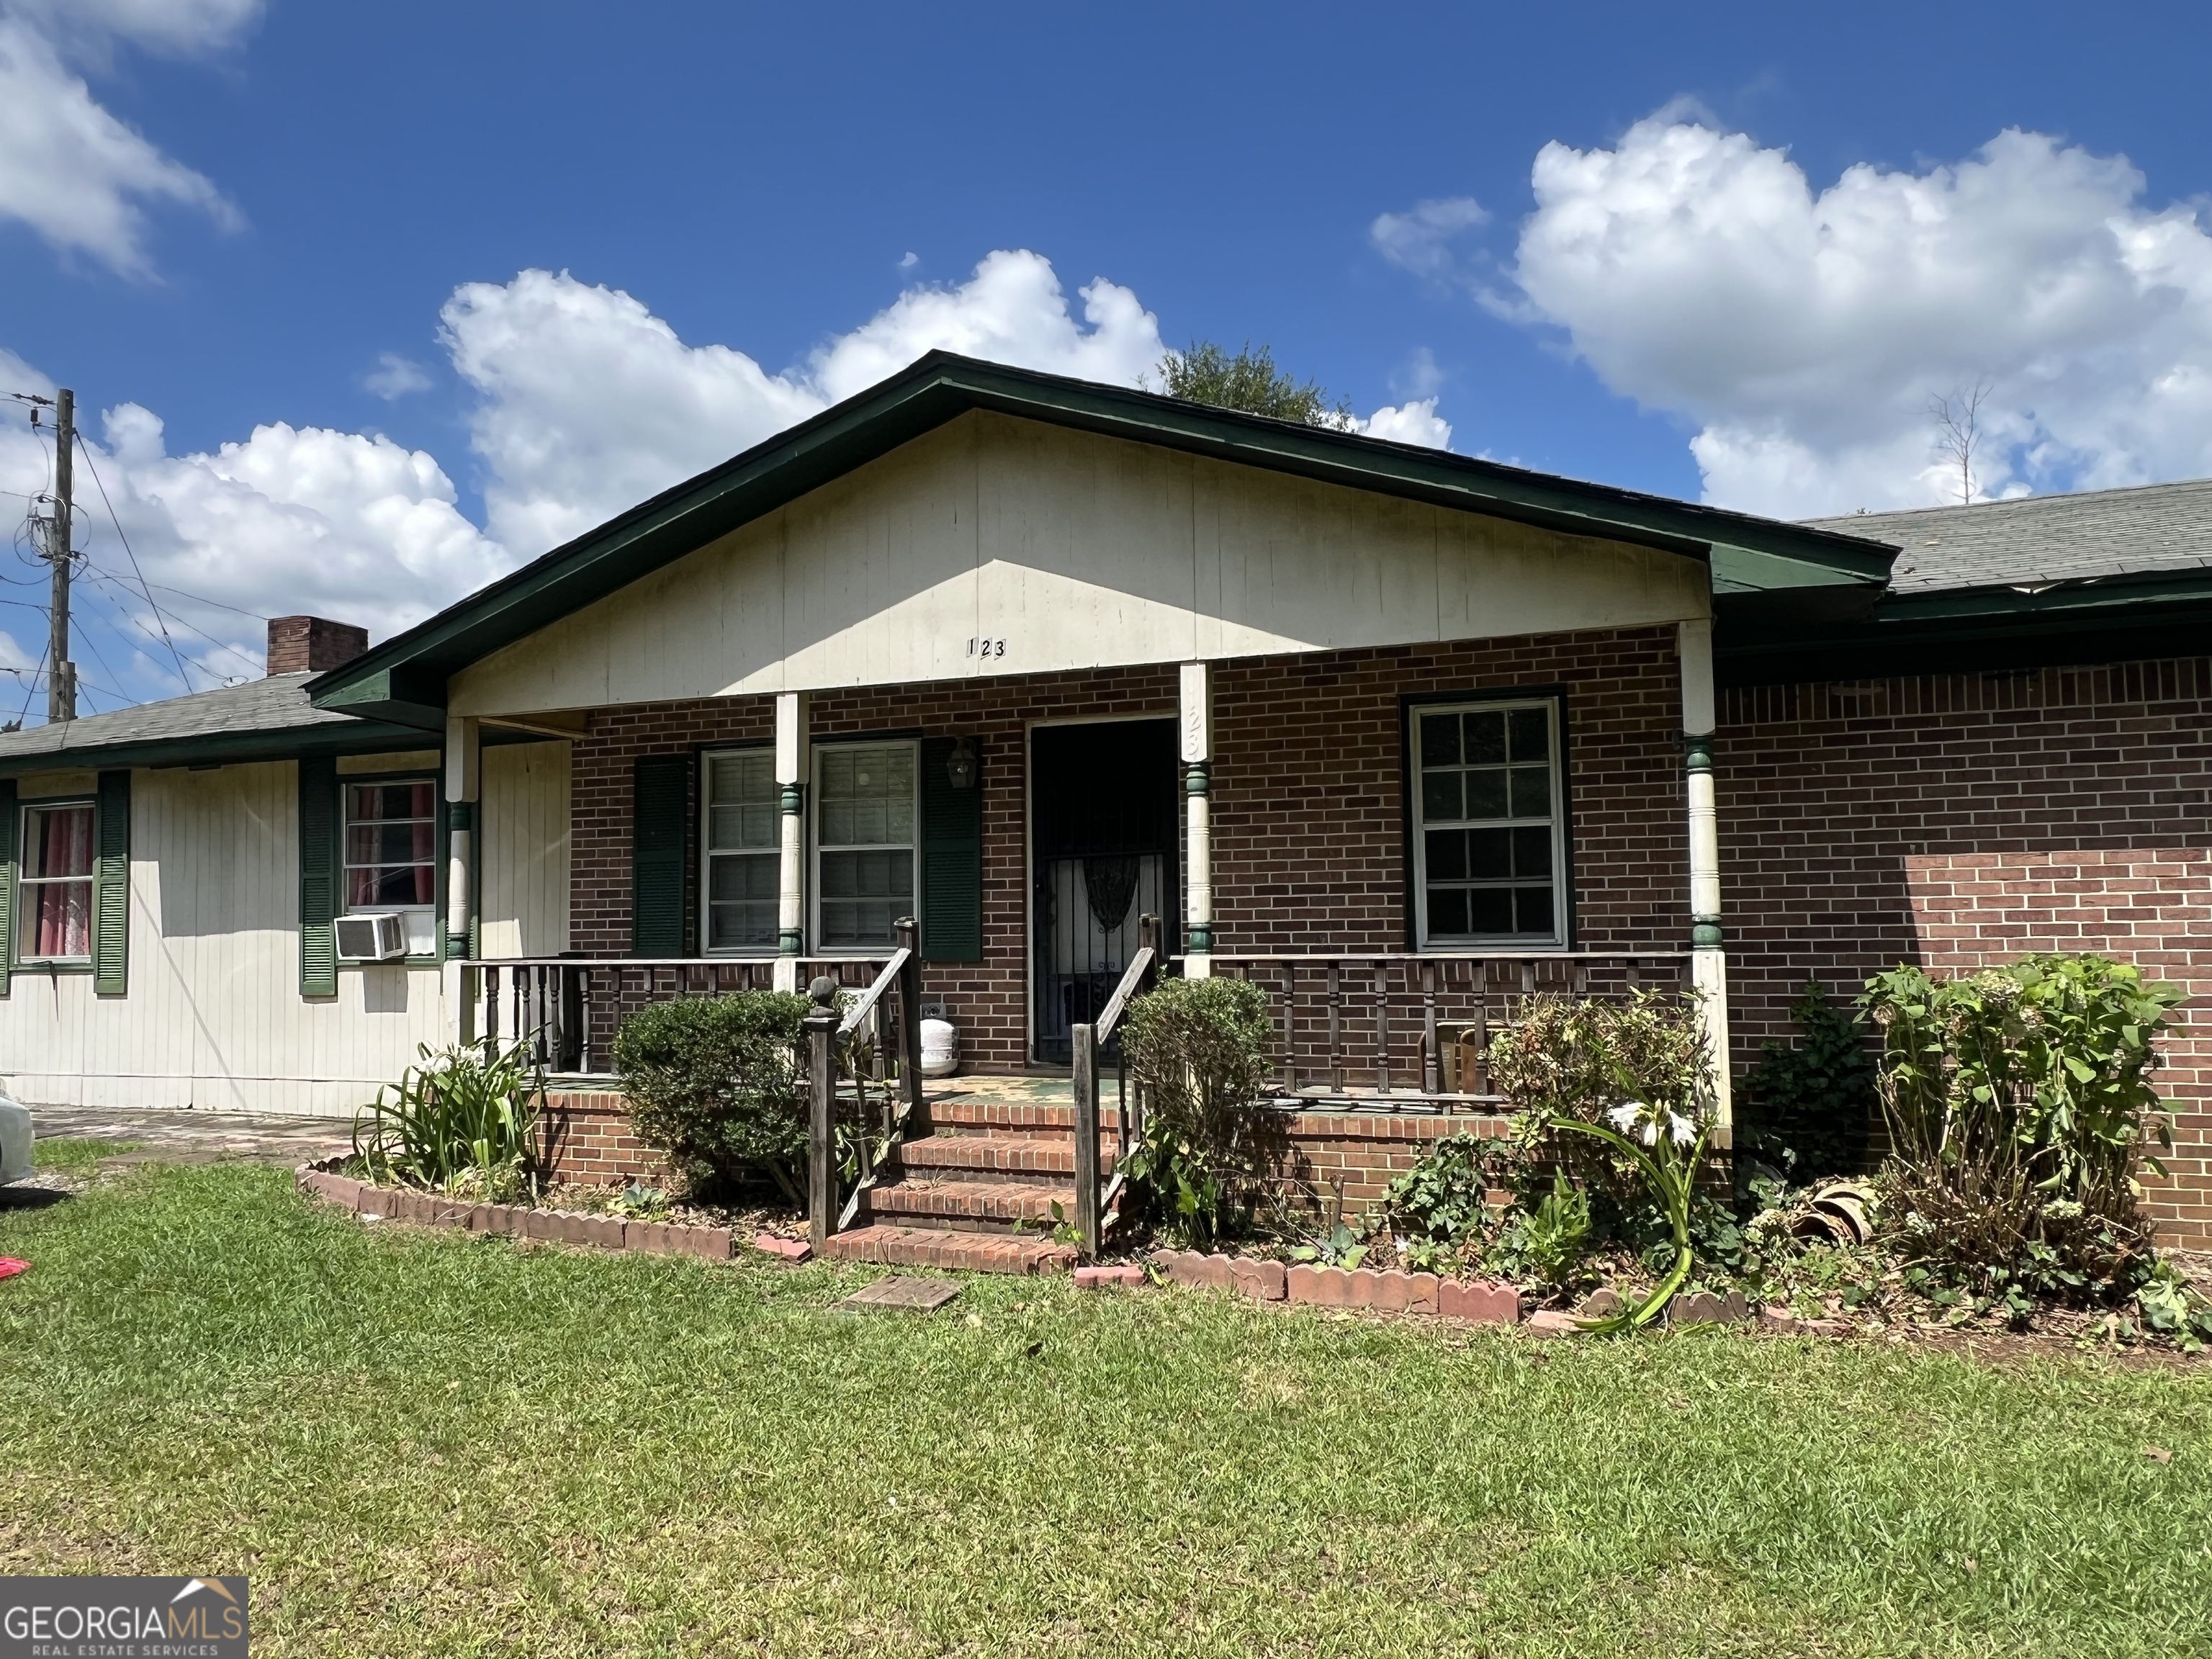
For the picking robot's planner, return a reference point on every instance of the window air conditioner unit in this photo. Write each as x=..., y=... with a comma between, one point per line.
x=379, y=938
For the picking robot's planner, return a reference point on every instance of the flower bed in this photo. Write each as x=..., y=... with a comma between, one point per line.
x=326, y=1179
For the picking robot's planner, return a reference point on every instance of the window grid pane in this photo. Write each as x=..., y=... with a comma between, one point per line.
x=1485, y=810
x=53, y=915
x=865, y=835
x=391, y=844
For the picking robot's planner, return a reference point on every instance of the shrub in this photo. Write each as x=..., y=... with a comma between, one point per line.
x=1810, y=1102
x=718, y=1084
x=460, y=1122
x=2018, y=1102
x=1572, y=1058
x=1211, y=1143
x=1440, y=1205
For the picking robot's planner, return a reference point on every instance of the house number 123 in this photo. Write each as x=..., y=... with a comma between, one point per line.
x=986, y=647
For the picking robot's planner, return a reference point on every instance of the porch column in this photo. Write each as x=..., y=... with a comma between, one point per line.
x=1197, y=725
x=791, y=767
x=463, y=793
x=1708, y=959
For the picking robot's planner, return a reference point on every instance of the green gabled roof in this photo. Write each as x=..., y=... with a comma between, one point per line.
x=403, y=678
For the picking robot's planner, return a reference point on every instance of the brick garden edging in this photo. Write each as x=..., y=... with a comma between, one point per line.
x=606, y=1232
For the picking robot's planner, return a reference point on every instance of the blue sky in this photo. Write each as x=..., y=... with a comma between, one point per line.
x=1681, y=299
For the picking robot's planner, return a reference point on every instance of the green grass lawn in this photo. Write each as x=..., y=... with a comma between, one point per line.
x=77, y=1154
x=424, y=1443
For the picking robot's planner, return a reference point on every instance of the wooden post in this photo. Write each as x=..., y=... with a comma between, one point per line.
x=821, y=1028
x=909, y=1015
x=1083, y=1042
x=1433, y=1060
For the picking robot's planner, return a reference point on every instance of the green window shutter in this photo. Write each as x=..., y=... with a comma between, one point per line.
x=10, y=819
x=111, y=922
x=952, y=860
x=319, y=872
x=659, y=794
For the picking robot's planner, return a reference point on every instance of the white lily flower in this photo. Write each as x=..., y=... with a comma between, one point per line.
x=1683, y=1130
x=1650, y=1135
x=1626, y=1115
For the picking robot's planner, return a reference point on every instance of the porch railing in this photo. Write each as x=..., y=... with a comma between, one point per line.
x=1410, y=1029
x=568, y=1008
x=1094, y=1205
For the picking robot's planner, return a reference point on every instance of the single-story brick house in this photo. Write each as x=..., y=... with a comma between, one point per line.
x=1396, y=733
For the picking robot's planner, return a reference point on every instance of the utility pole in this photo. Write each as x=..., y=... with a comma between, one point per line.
x=61, y=684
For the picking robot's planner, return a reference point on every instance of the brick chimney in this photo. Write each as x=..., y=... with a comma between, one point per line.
x=299, y=645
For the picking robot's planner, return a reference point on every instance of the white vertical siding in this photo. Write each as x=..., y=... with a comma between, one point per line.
x=524, y=861
x=213, y=1017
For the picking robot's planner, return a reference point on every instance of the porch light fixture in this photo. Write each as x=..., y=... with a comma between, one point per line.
x=960, y=765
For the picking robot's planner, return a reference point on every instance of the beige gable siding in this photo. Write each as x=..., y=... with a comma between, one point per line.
x=1074, y=551
x=213, y=1017
x=525, y=911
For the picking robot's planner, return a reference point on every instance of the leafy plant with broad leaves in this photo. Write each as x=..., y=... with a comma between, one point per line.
x=2019, y=1101
x=1341, y=1246
x=1212, y=1142
x=1440, y=1206
x=1549, y=1240
x=1810, y=1102
x=718, y=1084
x=460, y=1122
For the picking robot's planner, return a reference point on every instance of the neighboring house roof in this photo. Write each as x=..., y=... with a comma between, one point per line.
x=404, y=677
x=264, y=718
x=2040, y=539
x=2108, y=575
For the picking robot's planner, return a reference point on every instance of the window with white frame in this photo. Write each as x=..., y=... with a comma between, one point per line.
x=1489, y=842
x=740, y=845
x=53, y=918
x=865, y=815
x=392, y=853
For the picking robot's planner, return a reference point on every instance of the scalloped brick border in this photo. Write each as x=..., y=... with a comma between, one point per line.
x=1481, y=1300
x=604, y=1232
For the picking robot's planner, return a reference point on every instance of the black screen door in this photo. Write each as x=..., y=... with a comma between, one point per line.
x=1103, y=827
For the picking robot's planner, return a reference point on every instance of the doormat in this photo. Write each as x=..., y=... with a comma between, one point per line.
x=909, y=1295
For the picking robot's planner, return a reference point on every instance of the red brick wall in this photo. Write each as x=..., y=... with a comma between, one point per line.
x=1308, y=814
x=1959, y=821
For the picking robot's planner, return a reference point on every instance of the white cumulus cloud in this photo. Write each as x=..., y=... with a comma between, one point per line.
x=586, y=404
x=1421, y=239
x=395, y=376
x=71, y=171
x=1804, y=332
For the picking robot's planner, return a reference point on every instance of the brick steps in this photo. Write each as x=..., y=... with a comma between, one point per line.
x=973, y=1112
x=1041, y=1154
x=972, y=1203
x=971, y=1252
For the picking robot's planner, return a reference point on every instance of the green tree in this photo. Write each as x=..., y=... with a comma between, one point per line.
x=1202, y=372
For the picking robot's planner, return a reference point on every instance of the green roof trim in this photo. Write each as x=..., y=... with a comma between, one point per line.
x=403, y=678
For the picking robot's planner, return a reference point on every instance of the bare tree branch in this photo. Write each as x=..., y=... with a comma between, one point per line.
x=1959, y=433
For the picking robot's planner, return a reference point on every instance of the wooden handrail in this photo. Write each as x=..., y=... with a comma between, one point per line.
x=1085, y=1043
x=1102, y=1028
x=867, y=1000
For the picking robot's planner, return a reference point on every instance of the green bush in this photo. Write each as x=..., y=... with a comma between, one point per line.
x=718, y=1084
x=1440, y=1206
x=1212, y=1144
x=461, y=1121
x=1809, y=1103
x=2019, y=1101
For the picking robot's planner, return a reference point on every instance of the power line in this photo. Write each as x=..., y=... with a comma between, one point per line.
x=220, y=645
x=175, y=655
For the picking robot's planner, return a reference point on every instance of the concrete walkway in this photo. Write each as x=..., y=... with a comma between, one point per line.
x=190, y=1136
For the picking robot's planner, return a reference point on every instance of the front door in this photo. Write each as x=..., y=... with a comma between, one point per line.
x=1102, y=845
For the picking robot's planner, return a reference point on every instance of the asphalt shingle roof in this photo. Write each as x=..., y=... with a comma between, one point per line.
x=2041, y=539
x=277, y=703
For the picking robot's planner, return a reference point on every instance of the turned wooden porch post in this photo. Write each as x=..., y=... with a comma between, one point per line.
x=1197, y=720
x=464, y=856
x=1708, y=957
x=791, y=768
